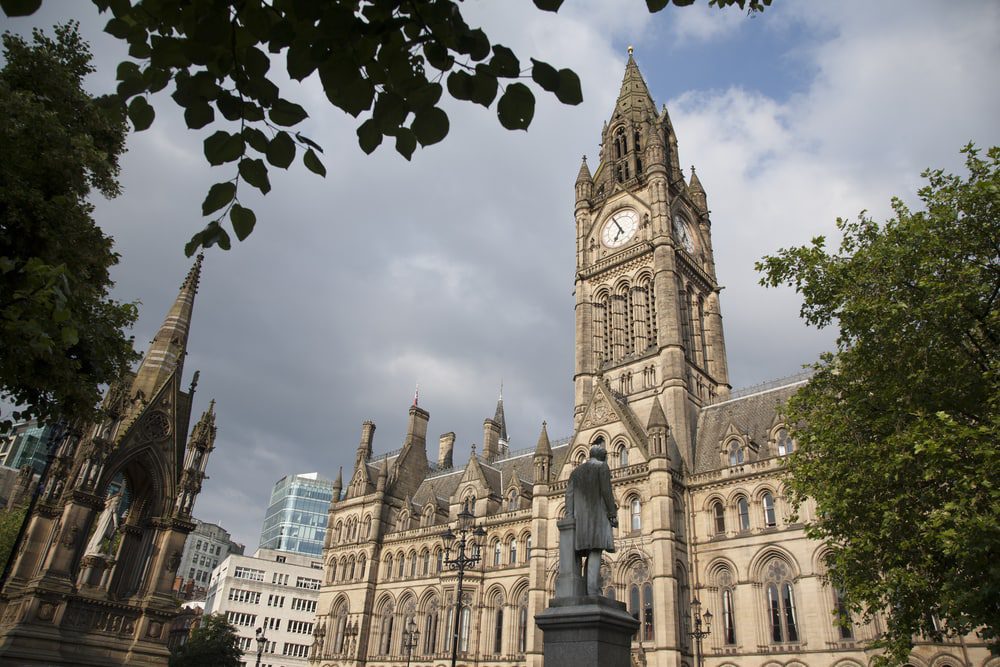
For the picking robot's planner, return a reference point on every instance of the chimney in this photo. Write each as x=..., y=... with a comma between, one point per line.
x=491, y=439
x=446, y=450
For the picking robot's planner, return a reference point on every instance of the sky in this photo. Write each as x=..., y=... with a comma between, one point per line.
x=455, y=270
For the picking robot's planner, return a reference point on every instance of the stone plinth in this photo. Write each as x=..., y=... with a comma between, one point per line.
x=586, y=631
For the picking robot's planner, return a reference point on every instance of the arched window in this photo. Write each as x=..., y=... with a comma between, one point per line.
x=620, y=145
x=340, y=530
x=413, y=564
x=623, y=456
x=512, y=551
x=388, y=566
x=647, y=612
x=425, y=568
x=350, y=568
x=332, y=566
x=770, y=519
x=339, y=626
x=735, y=453
x=728, y=617
x=401, y=565
x=635, y=511
x=719, y=515
x=527, y=547
x=522, y=623
x=781, y=603
x=743, y=509
x=601, y=353
x=785, y=443
x=385, y=638
x=497, y=552
x=438, y=560
x=512, y=501
x=368, y=527
x=498, y=626
x=431, y=629
x=581, y=456
x=842, y=616
x=362, y=561
x=464, y=622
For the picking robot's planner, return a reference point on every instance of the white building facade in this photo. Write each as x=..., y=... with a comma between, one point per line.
x=273, y=590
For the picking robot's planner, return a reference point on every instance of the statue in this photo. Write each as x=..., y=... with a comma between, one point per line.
x=107, y=524
x=591, y=504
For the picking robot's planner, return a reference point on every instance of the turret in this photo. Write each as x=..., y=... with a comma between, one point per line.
x=491, y=440
x=584, y=184
x=697, y=192
x=200, y=446
x=658, y=431
x=365, y=446
x=543, y=456
x=338, y=484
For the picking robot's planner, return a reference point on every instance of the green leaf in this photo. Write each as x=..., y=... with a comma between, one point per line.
x=569, y=87
x=548, y=5
x=424, y=96
x=545, y=75
x=287, y=113
x=438, y=56
x=657, y=5
x=484, y=87
x=460, y=85
x=140, y=113
x=308, y=142
x=369, y=136
x=254, y=172
x=406, y=142
x=198, y=116
x=430, y=126
x=70, y=336
x=516, y=107
x=219, y=195
x=222, y=147
x=127, y=70
x=504, y=63
x=257, y=139
x=281, y=150
x=243, y=220
x=299, y=61
x=20, y=7
x=311, y=160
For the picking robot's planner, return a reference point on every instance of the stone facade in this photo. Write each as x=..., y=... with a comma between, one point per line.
x=91, y=581
x=696, y=470
x=207, y=546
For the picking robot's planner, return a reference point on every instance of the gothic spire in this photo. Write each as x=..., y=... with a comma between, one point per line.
x=338, y=484
x=656, y=417
x=634, y=94
x=584, y=174
x=168, y=348
x=697, y=191
x=543, y=448
x=499, y=418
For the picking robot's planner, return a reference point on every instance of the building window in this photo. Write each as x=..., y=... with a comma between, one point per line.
x=497, y=552
x=781, y=604
x=647, y=612
x=385, y=640
x=636, y=515
x=770, y=519
x=464, y=622
x=400, y=565
x=842, y=616
x=413, y=564
x=743, y=509
x=785, y=443
x=438, y=560
x=527, y=547
x=388, y=566
x=719, y=514
x=735, y=454
x=498, y=629
x=725, y=580
x=431, y=630
x=512, y=551
x=425, y=568
x=512, y=501
x=623, y=456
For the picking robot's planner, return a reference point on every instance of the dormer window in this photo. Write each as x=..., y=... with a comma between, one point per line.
x=736, y=454
x=784, y=441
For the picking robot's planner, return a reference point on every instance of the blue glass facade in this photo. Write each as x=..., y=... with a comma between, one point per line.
x=30, y=446
x=296, y=516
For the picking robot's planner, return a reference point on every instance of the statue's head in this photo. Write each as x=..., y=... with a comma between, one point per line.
x=598, y=452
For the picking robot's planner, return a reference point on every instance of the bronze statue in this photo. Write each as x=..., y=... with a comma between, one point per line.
x=589, y=501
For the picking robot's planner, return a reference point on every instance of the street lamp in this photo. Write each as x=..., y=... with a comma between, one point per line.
x=261, y=642
x=466, y=537
x=698, y=633
x=411, y=636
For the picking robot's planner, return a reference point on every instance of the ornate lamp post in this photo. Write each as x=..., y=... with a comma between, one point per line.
x=261, y=642
x=411, y=636
x=467, y=537
x=698, y=633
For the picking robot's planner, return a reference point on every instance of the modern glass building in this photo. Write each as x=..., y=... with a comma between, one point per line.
x=26, y=444
x=296, y=516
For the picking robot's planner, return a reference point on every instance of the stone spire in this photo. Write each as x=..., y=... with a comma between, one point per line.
x=168, y=348
x=543, y=456
x=338, y=484
x=634, y=94
x=697, y=192
x=658, y=431
x=498, y=417
x=584, y=182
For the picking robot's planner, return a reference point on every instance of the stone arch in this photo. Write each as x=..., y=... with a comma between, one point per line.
x=385, y=603
x=944, y=659
x=847, y=662
x=756, y=568
x=717, y=565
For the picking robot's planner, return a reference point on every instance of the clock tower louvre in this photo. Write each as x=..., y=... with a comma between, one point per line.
x=648, y=322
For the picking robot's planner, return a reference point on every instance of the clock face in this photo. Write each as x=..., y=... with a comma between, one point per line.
x=681, y=233
x=619, y=228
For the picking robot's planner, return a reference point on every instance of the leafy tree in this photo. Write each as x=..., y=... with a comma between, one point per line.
x=212, y=644
x=10, y=524
x=383, y=60
x=898, y=429
x=60, y=334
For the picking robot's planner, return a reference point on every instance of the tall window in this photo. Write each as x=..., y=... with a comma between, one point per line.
x=385, y=639
x=426, y=568
x=728, y=617
x=401, y=565
x=497, y=552
x=413, y=564
x=527, y=547
x=431, y=629
x=781, y=603
x=719, y=516
x=464, y=622
x=647, y=612
x=339, y=626
x=785, y=443
x=438, y=560
x=743, y=509
x=623, y=456
x=735, y=453
x=388, y=566
x=770, y=519
x=512, y=551
x=498, y=628
x=636, y=515
x=842, y=616
x=522, y=623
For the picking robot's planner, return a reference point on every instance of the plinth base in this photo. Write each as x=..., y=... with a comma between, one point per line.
x=586, y=631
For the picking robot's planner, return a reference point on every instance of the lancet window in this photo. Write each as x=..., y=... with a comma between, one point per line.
x=624, y=322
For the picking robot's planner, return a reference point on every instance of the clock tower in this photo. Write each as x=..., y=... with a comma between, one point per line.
x=648, y=324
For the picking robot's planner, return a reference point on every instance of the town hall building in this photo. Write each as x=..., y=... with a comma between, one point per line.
x=697, y=471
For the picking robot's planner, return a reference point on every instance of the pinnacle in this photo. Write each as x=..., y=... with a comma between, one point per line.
x=584, y=174
x=695, y=183
x=656, y=417
x=543, y=448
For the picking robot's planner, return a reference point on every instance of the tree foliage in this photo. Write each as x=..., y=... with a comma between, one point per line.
x=212, y=644
x=60, y=335
x=898, y=429
x=10, y=524
x=386, y=62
